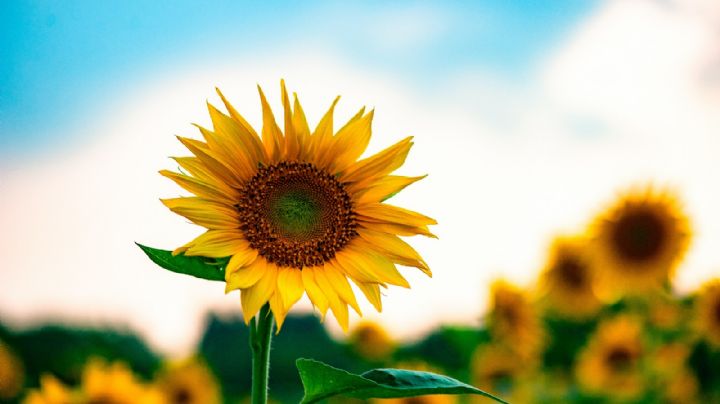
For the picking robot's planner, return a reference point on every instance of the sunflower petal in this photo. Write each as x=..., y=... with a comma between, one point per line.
x=272, y=137
x=351, y=141
x=278, y=309
x=238, y=130
x=216, y=244
x=384, y=213
x=379, y=267
x=233, y=155
x=204, y=213
x=301, y=128
x=203, y=189
x=372, y=293
x=341, y=285
x=322, y=137
x=292, y=147
x=245, y=277
x=385, y=187
x=254, y=297
x=337, y=305
x=378, y=165
x=241, y=259
x=316, y=295
x=395, y=248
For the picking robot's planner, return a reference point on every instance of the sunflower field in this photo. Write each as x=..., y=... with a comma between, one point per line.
x=602, y=324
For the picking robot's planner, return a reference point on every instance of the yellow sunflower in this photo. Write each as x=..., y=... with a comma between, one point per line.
x=51, y=391
x=189, y=382
x=514, y=321
x=640, y=240
x=568, y=278
x=500, y=371
x=12, y=374
x=114, y=383
x=665, y=311
x=707, y=312
x=371, y=341
x=611, y=363
x=296, y=211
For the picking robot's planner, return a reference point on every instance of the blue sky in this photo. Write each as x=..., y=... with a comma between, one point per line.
x=61, y=60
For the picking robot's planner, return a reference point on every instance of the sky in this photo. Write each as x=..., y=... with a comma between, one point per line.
x=528, y=116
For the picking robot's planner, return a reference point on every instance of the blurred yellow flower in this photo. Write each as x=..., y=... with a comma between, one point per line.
x=296, y=210
x=665, y=312
x=371, y=341
x=500, y=371
x=188, y=382
x=611, y=363
x=707, y=312
x=12, y=374
x=675, y=380
x=639, y=241
x=114, y=383
x=514, y=320
x=51, y=391
x=682, y=388
x=567, y=280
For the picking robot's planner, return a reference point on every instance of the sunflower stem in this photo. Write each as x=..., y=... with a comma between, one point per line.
x=260, y=336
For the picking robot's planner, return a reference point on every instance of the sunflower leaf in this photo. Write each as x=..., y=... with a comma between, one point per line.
x=212, y=269
x=322, y=381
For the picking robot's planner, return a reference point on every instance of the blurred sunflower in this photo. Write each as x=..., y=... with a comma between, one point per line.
x=188, y=382
x=12, y=374
x=499, y=370
x=675, y=381
x=682, y=388
x=114, y=383
x=514, y=321
x=370, y=340
x=567, y=280
x=640, y=240
x=51, y=391
x=665, y=312
x=707, y=312
x=611, y=363
x=296, y=211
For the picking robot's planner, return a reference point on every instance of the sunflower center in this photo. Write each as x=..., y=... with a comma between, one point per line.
x=572, y=272
x=296, y=215
x=619, y=359
x=639, y=236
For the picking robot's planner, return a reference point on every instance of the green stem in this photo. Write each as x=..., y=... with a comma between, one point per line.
x=260, y=335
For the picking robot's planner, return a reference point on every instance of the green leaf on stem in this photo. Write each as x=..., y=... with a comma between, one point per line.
x=322, y=381
x=212, y=269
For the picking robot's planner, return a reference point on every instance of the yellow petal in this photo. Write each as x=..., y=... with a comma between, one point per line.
x=213, y=161
x=301, y=128
x=378, y=165
x=279, y=310
x=241, y=259
x=271, y=135
x=254, y=297
x=238, y=129
x=314, y=292
x=292, y=146
x=398, y=229
x=372, y=293
x=384, y=188
x=322, y=138
x=395, y=248
x=245, y=277
x=384, y=213
x=216, y=244
x=203, y=212
x=346, y=260
x=233, y=154
x=341, y=285
x=203, y=189
x=351, y=141
x=290, y=285
x=337, y=305
x=378, y=266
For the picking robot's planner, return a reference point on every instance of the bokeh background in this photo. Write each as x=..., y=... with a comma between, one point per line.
x=528, y=116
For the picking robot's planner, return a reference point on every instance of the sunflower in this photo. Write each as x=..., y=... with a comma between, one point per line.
x=51, y=391
x=499, y=370
x=296, y=211
x=12, y=374
x=514, y=321
x=371, y=341
x=568, y=277
x=612, y=360
x=114, y=383
x=640, y=240
x=189, y=382
x=707, y=312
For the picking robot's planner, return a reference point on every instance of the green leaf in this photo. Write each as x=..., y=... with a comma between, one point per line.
x=322, y=381
x=211, y=269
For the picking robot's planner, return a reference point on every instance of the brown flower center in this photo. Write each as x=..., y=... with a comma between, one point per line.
x=639, y=236
x=296, y=215
x=572, y=272
x=620, y=359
